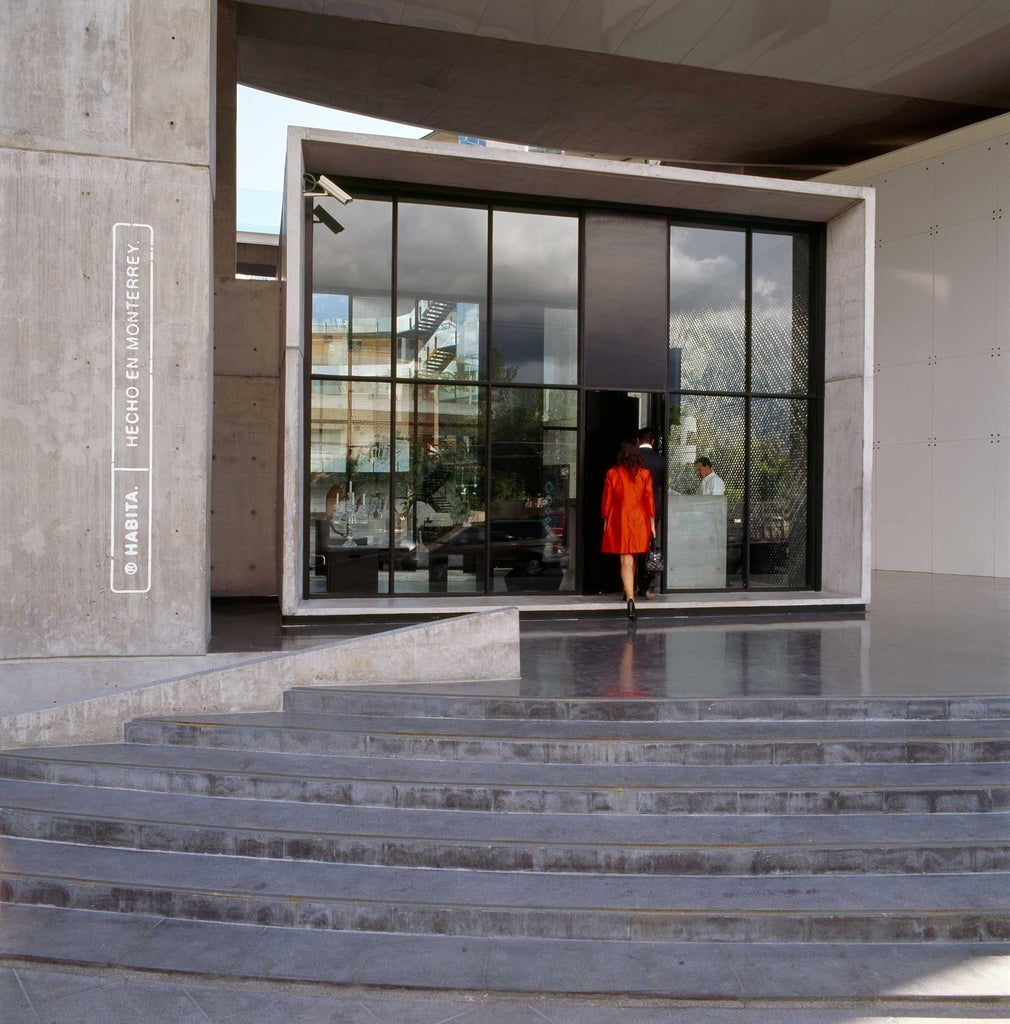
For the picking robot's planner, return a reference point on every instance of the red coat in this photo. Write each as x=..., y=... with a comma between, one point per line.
x=627, y=506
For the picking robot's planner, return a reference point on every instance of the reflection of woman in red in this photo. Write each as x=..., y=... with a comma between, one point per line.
x=629, y=514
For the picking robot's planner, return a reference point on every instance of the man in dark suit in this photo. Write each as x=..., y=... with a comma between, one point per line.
x=648, y=583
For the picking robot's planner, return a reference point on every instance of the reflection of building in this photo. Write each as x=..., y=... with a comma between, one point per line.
x=127, y=154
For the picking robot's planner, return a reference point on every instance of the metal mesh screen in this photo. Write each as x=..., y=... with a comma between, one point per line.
x=780, y=313
x=707, y=317
x=778, y=492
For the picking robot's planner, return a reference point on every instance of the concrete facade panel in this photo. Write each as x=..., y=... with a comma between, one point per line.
x=1003, y=175
x=848, y=331
x=963, y=507
x=1000, y=364
x=966, y=184
x=56, y=402
x=1001, y=531
x=905, y=201
x=1000, y=349
x=129, y=79
x=964, y=288
x=247, y=337
x=243, y=535
x=903, y=398
x=904, y=299
x=173, y=43
x=903, y=522
x=964, y=395
x=846, y=543
x=75, y=109
x=957, y=318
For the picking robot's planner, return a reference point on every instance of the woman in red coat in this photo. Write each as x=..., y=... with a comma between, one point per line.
x=629, y=514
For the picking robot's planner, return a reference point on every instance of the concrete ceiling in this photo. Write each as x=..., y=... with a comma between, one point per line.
x=790, y=88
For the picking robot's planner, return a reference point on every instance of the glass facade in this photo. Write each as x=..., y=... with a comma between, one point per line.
x=738, y=455
x=446, y=434
x=442, y=449
x=441, y=291
x=535, y=272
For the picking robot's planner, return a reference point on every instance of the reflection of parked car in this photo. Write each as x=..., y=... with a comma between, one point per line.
x=514, y=543
x=329, y=540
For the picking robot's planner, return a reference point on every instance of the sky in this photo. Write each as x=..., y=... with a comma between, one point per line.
x=263, y=120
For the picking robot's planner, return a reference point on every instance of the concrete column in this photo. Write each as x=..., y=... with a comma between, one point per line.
x=105, y=373
x=226, y=107
x=247, y=339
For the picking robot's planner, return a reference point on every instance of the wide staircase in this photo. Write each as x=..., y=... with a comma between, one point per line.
x=795, y=848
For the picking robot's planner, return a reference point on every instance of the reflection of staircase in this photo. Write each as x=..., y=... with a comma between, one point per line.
x=429, y=319
x=432, y=489
x=438, y=359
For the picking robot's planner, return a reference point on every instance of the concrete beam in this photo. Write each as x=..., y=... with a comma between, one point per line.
x=580, y=101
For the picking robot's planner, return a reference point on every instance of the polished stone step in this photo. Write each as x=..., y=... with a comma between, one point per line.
x=838, y=789
x=699, y=743
x=620, y=844
x=386, y=702
x=905, y=975
x=639, y=908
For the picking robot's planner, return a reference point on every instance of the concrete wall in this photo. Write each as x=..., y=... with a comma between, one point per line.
x=472, y=647
x=848, y=403
x=942, y=363
x=246, y=459
x=106, y=119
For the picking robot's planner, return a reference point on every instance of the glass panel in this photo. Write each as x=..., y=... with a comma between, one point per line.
x=778, y=499
x=707, y=316
x=534, y=449
x=780, y=313
x=441, y=285
x=439, y=489
x=349, y=488
x=351, y=280
x=535, y=275
x=704, y=527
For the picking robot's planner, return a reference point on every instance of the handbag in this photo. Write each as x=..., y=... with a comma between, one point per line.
x=654, y=557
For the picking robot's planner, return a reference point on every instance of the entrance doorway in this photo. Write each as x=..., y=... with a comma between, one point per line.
x=611, y=416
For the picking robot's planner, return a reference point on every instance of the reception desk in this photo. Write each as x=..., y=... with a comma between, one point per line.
x=695, y=541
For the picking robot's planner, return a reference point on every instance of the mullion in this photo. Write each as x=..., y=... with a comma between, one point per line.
x=748, y=342
x=391, y=512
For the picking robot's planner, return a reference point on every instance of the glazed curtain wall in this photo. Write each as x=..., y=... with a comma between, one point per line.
x=741, y=395
x=442, y=410
x=443, y=396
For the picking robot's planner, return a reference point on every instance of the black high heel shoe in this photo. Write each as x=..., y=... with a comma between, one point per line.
x=632, y=614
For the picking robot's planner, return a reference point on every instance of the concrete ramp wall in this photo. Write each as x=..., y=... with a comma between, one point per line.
x=480, y=646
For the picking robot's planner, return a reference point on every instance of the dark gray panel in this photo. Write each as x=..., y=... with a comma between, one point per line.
x=625, y=320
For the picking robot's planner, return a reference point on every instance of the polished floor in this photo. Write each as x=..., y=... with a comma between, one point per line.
x=922, y=635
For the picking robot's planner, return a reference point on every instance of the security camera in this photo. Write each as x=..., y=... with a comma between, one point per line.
x=334, y=191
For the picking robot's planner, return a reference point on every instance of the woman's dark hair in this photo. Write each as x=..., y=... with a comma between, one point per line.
x=630, y=457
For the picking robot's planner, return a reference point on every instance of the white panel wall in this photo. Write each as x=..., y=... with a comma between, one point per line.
x=942, y=363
